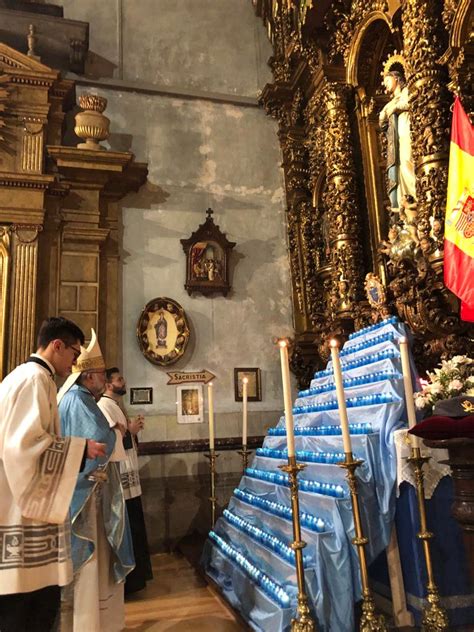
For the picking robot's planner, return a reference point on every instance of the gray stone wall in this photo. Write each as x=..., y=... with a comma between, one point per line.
x=182, y=80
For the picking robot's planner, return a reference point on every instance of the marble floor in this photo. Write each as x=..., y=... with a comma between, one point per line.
x=178, y=600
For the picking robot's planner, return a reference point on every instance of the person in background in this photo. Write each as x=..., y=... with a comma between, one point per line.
x=38, y=470
x=109, y=403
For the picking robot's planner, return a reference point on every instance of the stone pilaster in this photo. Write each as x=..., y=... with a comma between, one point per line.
x=22, y=307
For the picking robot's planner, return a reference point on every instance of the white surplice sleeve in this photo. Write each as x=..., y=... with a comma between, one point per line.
x=41, y=467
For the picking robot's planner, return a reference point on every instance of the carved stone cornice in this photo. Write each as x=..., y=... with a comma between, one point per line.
x=79, y=159
x=25, y=70
x=80, y=234
x=25, y=180
x=131, y=179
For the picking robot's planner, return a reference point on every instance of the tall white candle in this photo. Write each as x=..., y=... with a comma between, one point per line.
x=408, y=386
x=210, y=397
x=285, y=376
x=341, y=398
x=245, y=382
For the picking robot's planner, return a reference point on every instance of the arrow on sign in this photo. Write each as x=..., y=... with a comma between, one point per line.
x=183, y=377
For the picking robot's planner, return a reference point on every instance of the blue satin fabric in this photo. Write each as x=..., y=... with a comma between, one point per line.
x=81, y=417
x=333, y=575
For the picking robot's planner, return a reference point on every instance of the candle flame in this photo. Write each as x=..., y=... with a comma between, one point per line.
x=245, y=380
x=334, y=343
x=282, y=343
x=403, y=340
x=210, y=384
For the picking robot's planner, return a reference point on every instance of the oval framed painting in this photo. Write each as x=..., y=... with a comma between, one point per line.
x=163, y=331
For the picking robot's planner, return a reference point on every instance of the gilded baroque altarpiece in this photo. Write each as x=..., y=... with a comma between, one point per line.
x=59, y=214
x=330, y=62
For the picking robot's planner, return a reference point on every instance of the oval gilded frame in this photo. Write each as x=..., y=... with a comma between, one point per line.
x=163, y=331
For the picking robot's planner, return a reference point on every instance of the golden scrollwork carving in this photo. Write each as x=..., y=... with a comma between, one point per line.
x=424, y=42
x=343, y=22
x=334, y=161
x=341, y=200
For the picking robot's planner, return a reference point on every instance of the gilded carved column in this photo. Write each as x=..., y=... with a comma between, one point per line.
x=300, y=227
x=424, y=43
x=22, y=308
x=341, y=201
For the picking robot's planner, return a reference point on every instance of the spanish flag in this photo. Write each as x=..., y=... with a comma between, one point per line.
x=459, y=225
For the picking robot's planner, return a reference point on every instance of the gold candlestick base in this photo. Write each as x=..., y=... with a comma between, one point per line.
x=370, y=621
x=434, y=618
x=244, y=453
x=212, y=456
x=303, y=621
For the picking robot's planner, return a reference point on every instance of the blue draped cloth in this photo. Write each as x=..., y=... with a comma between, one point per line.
x=375, y=395
x=81, y=417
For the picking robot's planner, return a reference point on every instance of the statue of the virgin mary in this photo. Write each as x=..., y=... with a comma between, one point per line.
x=395, y=122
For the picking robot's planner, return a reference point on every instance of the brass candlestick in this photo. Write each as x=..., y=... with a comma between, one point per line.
x=212, y=456
x=370, y=621
x=244, y=453
x=303, y=622
x=434, y=618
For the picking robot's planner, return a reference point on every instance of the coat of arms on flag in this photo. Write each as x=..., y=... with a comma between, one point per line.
x=459, y=225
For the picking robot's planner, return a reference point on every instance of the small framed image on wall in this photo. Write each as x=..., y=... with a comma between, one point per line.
x=254, y=388
x=189, y=402
x=141, y=395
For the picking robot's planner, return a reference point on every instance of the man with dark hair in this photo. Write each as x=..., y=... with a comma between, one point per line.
x=109, y=403
x=58, y=328
x=38, y=470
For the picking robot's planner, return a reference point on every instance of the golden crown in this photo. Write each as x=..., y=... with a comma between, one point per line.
x=394, y=60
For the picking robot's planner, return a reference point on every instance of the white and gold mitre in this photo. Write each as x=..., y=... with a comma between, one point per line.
x=91, y=359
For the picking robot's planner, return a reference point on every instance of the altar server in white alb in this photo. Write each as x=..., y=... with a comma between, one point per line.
x=38, y=472
x=109, y=403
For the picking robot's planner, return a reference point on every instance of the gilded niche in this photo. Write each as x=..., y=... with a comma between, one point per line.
x=361, y=94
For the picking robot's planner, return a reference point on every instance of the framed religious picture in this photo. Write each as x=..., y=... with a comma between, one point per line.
x=163, y=331
x=141, y=395
x=189, y=403
x=207, y=259
x=254, y=388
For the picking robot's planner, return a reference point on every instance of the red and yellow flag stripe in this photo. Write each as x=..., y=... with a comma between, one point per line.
x=459, y=225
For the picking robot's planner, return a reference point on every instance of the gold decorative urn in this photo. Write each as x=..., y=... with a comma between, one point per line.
x=91, y=125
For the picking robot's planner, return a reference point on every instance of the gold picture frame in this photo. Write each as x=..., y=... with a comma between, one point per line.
x=163, y=331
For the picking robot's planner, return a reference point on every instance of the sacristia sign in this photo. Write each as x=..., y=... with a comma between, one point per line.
x=183, y=377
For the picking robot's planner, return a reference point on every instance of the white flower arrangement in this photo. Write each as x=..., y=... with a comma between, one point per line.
x=453, y=377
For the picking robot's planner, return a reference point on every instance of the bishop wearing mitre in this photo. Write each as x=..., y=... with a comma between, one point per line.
x=102, y=552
